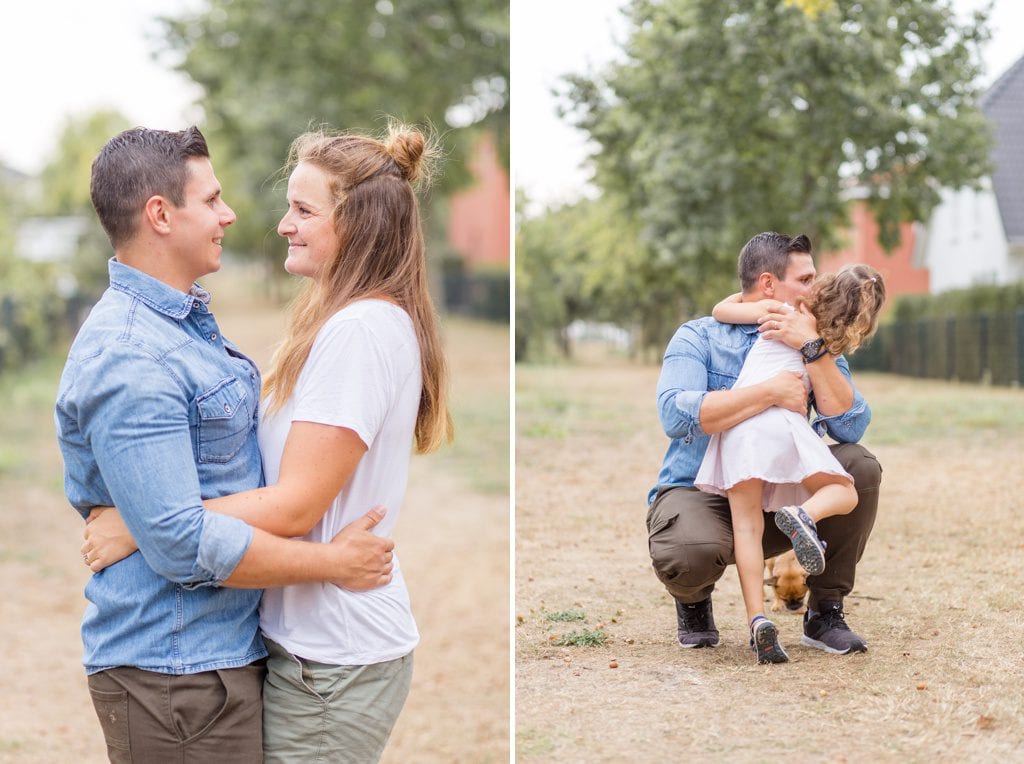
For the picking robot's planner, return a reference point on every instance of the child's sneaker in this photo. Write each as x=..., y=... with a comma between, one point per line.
x=803, y=533
x=764, y=639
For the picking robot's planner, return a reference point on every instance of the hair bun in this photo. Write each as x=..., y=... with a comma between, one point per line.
x=406, y=147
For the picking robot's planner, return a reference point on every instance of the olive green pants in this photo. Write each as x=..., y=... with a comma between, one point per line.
x=317, y=712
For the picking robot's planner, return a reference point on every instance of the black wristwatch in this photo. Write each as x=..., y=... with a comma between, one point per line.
x=812, y=350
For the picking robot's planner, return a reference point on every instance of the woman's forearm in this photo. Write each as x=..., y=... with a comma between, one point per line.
x=274, y=509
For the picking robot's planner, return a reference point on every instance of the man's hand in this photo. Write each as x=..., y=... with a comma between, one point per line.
x=364, y=560
x=787, y=391
x=107, y=539
x=793, y=327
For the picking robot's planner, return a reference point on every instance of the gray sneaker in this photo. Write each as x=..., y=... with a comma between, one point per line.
x=695, y=624
x=764, y=639
x=828, y=631
x=803, y=533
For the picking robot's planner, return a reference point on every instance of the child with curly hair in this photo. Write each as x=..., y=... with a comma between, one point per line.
x=775, y=461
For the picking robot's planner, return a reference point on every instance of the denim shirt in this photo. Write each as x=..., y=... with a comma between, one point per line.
x=155, y=412
x=706, y=355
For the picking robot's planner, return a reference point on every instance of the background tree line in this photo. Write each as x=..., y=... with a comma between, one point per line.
x=269, y=71
x=724, y=118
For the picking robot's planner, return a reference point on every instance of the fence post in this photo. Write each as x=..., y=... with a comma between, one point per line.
x=1020, y=346
x=983, y=369
x=950, y=347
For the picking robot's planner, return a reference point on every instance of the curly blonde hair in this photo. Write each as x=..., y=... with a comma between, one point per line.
x=846, y=305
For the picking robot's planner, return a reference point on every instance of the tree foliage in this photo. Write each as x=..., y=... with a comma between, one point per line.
x=269, y=70
x=729, y=117
x=64, y=190
x=588, y=260
x=65, y=178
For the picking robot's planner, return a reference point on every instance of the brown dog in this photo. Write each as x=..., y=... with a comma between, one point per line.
x=789, y=580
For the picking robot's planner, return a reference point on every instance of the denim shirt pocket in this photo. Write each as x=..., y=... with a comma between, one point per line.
x=225, y=419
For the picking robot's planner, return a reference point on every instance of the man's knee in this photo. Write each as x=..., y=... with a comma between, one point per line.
x=689, y=549
x=861, y=464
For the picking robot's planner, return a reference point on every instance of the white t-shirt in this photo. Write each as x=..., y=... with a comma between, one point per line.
x=363, y=373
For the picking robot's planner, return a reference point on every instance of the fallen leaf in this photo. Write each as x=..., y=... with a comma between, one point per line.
x=613, y=664
x=922, y=685
x=985, y=722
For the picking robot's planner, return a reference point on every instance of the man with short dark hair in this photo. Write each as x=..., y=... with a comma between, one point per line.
x=690, y=532
x=157, y=411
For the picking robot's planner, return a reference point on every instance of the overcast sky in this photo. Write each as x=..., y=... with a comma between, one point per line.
x=61, y=57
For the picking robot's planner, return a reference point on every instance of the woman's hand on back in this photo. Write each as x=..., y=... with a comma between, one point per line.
x=107, y=539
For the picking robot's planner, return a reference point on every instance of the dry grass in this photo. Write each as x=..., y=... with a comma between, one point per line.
x=938, y=592
x=453, y=540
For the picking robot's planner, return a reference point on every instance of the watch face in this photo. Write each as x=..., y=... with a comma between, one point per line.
x=811, y=348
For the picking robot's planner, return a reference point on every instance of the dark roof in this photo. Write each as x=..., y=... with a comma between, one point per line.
x=1003, y=105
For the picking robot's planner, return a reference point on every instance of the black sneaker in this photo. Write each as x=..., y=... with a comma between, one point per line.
x=803, y=534
x=696, y=624
x=764, y=640
x=828, y=631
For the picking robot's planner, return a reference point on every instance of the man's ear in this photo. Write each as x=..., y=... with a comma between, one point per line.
x=766, y=283
x=156, y=214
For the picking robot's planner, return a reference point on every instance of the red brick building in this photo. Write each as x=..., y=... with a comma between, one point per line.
x=478, y=219
x=899, y=268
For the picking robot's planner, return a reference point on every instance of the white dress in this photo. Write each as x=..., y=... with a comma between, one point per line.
x=777, y=446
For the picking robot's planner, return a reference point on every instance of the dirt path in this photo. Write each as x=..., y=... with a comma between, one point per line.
x=937, y=596
x=453, y=541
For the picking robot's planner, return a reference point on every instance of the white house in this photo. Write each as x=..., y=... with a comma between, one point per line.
x=49, y=239
x=977, y=237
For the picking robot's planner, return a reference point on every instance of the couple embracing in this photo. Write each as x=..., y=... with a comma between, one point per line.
x=203, y=485
x=733, y=396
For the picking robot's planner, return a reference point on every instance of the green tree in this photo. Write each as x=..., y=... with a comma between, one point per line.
x=64, y=183
x=64, y=179
x=729, y=117
x=271, y=69
x=589, y=260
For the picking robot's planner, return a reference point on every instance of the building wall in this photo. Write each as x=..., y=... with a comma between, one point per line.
x=478, y=222
x=967, y=242
x=899, y=268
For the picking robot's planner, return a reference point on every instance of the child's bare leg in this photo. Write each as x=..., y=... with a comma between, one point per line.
x=747, y=530
x=830, y=495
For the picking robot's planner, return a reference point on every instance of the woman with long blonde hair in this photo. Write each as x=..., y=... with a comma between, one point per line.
x=359, y=380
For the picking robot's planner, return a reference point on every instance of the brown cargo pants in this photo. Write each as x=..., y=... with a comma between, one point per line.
x=213, y=716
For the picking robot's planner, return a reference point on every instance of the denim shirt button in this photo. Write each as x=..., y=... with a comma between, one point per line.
x=227, y=409
x=213, y=337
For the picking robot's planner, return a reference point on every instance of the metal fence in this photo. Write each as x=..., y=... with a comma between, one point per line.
x=985, y=348
x=29, y=331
